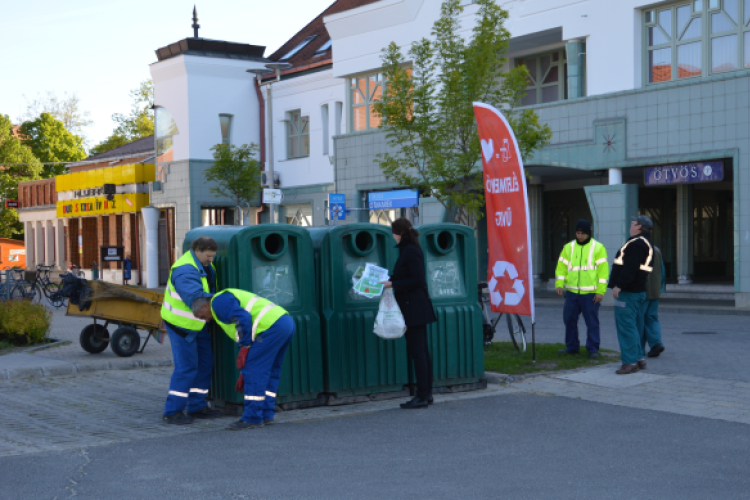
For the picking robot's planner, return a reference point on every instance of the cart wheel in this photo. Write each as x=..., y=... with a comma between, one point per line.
x=91, y=338
x=125, y=341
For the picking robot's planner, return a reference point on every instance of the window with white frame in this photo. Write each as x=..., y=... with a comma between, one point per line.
x=297, y=135
x=225, y=122
x=364, y=92
x=547, y=77
x=696, y=38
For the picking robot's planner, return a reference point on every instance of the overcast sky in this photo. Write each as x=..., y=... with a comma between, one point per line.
x=101, y=49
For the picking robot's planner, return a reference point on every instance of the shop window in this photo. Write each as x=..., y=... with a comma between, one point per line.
x=547, y=77
x=297, y=135
x=696, y=38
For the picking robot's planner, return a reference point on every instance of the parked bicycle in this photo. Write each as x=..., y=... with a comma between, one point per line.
x=515, y=325
x=41, y=285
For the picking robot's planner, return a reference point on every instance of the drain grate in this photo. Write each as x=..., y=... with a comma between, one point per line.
x=699, y=333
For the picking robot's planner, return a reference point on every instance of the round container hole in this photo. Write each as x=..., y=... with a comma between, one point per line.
x=445, y=241
x=363, y=242
x=274, y=244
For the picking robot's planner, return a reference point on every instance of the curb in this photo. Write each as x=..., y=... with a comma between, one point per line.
x=55, y=343
x=723, y=311
x=68, y=368
x=503, y=378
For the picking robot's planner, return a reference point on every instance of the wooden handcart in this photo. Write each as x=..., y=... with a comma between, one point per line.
x=129, y=308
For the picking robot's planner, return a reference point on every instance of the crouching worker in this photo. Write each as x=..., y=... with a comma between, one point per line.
x=263, y=331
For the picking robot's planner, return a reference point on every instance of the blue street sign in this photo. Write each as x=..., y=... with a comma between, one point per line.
x=337, y=206
x=385, y=200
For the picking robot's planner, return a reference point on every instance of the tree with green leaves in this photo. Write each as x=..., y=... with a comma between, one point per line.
x=17, y=164
x=50, y=141
x=428, y=112
x=235, y=172
x=136, y=125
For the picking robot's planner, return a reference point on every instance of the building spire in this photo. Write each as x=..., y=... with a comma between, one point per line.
x=195, y=22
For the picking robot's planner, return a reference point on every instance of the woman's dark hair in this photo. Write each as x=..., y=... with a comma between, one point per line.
x=204, y=243
x=403, y=228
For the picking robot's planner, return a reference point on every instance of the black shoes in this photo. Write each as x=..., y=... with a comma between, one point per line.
x=415, y=403
x=205, y=413
x=268, y=421
x=593, y=355
x=241, y=424
x=655, y=351
x=178, y=419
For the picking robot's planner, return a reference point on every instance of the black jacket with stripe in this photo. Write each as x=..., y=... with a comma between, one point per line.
x=632, y=265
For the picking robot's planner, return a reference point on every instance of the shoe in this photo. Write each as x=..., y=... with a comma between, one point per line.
x=414, y=404
x=178, y=419
x=565, y=351
x=205, y=413
x=241, y=424
x=641, y=364
x=593, y=355
x=430, y=400
x=268, y=421
x=627, y=369
x=656, y=350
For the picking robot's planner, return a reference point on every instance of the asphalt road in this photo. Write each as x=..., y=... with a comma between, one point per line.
x=520, y=447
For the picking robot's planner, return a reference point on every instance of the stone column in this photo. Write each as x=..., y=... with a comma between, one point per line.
x=49, y=243
x=39, y=240
x=576, y=58
x=62, y=261
x=536, y=214
x=684, y=233
x=615, y=176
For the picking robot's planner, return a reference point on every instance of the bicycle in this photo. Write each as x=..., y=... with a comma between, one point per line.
x=515, y=324
x=42, y=285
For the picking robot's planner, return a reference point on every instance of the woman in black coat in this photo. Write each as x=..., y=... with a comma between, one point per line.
x=410, y=290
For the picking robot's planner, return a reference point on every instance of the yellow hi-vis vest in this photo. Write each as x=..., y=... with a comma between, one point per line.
x=173, y=309
x=263, y=311
x=583, y=268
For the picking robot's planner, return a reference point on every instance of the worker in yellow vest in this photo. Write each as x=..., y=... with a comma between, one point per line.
x=263, y=331
x=581, y=275
x=191, y=277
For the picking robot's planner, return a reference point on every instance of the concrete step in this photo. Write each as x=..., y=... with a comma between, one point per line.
x=698, y=295
x=701, y=287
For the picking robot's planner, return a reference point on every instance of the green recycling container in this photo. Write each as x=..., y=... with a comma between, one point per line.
x=455, y=341
x=356, y=361
x=275, y=262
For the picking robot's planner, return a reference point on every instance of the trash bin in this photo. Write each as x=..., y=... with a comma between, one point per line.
x=356, y=361
x=455, y=340
x=275, y=262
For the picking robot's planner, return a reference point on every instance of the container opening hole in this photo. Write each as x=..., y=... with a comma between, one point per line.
x=445, y=241
x=363, y=242
x=274, y=244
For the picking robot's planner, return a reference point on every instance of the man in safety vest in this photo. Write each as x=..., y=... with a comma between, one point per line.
x=191, y=277
x=630, y=271
x=264, y=332
x=581, y=276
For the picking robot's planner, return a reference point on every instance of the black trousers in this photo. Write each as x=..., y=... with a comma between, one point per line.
x=416, y=346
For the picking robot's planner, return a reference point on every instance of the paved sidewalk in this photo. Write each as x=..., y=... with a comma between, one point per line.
x=71, y=359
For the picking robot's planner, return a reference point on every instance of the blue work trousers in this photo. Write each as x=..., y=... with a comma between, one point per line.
x=191, y=378
x=629, y=309
x=262, y=370
x=651, y=325
x=575, y=305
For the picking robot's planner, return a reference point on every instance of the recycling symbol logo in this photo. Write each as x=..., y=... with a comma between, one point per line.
x=337, y=211
x=511, y=298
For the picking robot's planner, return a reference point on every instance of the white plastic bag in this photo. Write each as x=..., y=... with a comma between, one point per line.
x=389, y=323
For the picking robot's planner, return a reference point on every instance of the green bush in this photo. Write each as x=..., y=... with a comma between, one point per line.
x=23, y=322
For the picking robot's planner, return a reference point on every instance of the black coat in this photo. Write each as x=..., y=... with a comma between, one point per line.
x=629, y=276
x=410, y=286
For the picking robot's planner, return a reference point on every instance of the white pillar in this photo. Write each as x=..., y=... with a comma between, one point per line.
x=28, y=243
x=62, y=261
x=49, y=242
x=39, y=243
x=151, y=221
x=615, y=176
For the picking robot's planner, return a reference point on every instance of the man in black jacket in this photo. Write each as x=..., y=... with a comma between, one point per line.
x=630, y=271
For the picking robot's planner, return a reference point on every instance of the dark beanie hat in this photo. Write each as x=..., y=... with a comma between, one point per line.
x=584, y=226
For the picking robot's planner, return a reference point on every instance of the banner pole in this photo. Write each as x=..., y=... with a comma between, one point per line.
x=533, y=344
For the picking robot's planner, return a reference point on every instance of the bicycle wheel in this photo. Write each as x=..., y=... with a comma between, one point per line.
x=52, y=292
x=517, y=332
x=18, y=292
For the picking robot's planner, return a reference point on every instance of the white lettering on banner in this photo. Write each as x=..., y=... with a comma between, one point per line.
x=503, y=185
x=693, y=172
x=504, y=219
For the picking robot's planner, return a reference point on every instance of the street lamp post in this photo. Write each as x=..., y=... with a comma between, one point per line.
x=277, y=67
